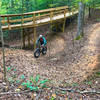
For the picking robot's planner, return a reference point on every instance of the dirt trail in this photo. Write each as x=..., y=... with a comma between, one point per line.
x=90, y=53
x=61, y=64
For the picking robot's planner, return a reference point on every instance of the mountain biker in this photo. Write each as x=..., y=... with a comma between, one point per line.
x=41, y=40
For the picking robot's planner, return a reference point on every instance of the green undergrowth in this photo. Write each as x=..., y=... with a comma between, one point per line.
x=21, y=81
x=98, y=20
x=37, y=83
x=78, y=37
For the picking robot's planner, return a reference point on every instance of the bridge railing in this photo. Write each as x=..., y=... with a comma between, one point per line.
x=31, y=19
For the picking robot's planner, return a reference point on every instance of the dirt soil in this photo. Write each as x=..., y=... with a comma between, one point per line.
x=67, y=60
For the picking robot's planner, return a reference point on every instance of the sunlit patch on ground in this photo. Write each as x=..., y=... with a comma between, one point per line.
x=57, y=45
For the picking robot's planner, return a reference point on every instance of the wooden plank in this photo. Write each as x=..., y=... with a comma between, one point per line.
x=18, y=20
x=42, y=16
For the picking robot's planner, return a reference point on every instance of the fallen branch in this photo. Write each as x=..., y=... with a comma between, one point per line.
x=63, y=89
x=38, y=95
x=22, y=92
x=78, y=91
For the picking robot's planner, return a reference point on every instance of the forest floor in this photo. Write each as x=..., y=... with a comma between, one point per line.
x=71, y=64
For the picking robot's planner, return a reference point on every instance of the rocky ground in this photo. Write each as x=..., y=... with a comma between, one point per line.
x=68, y=64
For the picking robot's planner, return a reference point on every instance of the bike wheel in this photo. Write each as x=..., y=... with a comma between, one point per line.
x=44, y=50
x=37, y=53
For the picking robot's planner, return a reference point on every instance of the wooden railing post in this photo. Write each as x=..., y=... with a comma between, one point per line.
x=51, y=16
x=39, y=16
x=22, y=33
x=8, y=23
x=51, y=20
x=3, y=20
x=34, y=29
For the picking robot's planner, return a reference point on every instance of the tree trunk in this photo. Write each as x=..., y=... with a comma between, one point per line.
x=89, y=12
x=1, y=35
x=80, y=19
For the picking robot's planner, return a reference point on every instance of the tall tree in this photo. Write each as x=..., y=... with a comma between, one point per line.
x=80, y=19
x=3, y=52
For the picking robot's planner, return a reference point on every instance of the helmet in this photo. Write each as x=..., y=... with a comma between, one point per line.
x=40, y=36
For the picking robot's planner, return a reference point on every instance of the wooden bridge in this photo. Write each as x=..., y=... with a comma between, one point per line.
x=35, y=19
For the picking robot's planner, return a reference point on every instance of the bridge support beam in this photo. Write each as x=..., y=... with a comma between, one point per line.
x=23, y=38
x=64, y=22
x=29, y=44
x=34, y=42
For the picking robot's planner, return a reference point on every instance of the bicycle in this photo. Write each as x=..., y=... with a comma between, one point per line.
x=39, y=50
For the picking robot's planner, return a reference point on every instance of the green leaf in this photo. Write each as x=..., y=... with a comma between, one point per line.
x=44, y=86
x=37, y=78
x=10, y=80
x=22, y=77
x=23, y=83
x=32, y=79
x=89, y=83
x=8, y=68
x=52, y=98
x=28, y=83
x=75, y=84
x=15, y=70
x=18, y=81
x=33, y=88
x=79, y=37
x=63, y=92
x=43, y=82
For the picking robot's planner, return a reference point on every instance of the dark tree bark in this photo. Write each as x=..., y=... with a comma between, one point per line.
x=89, y=12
